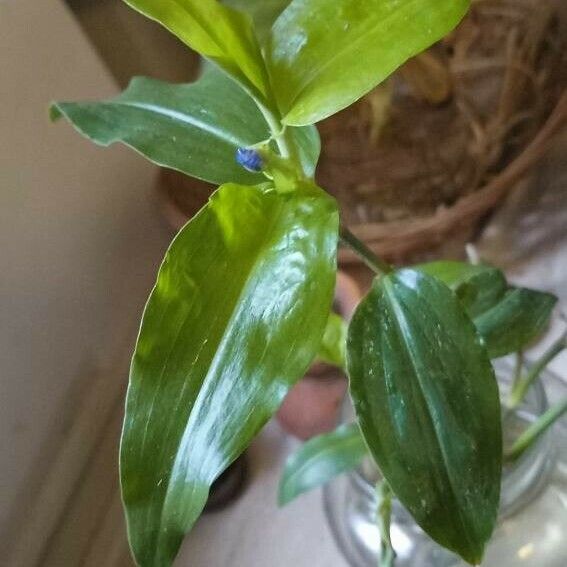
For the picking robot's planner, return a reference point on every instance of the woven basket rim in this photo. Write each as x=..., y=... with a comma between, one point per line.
x=468, y=208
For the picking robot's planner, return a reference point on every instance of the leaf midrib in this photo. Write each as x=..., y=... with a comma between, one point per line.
x=179, y=116
x=218, y=353
x=399, y=319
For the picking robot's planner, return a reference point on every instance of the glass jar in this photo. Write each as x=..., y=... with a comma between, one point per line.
x=532, y=527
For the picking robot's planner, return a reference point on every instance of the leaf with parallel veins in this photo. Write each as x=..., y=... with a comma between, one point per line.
x=428, y=406
x=236, y=317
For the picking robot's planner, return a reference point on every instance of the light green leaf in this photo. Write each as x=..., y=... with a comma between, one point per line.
x=309, y=145
x=263, y=12
x=518, y=318
x=194, y=128
x=235, y=319
x=333, y=345
x=324, y=55
x=217, y=32
x=320, y=460
x=428, y=406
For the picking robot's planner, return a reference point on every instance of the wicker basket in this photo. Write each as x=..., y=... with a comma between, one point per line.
x=489, y=103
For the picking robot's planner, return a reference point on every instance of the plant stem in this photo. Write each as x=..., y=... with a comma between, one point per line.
x=288, y=150
x=536, y=430
x=280, y=134
x=384, y=497
x=376, y=264
x=522, y=386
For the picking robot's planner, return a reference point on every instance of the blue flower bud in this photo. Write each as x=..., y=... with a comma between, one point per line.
x=250, y=159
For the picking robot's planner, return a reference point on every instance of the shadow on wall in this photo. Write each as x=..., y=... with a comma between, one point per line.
x=131, y=45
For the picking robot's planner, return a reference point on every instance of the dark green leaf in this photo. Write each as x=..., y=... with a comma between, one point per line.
x=236, y=317
x=325, y=55
x=518, y=318
x=478, y=287
x=320, y=460
x=333, y=345
x=428, y=406
x=217, y=32
x=194, y=128
x=507, y=318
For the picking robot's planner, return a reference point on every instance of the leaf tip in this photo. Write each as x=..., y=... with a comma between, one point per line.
x=54, y=111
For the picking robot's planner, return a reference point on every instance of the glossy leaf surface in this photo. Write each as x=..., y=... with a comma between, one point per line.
x=194, y=128
x=507, y=318
x=325, y=55
x=333, y=345
x=320, y=460
x=236, y=317
x=263, y=13
x=478, y=287
x=428, y=406
x=518, y=318
x=217, y=32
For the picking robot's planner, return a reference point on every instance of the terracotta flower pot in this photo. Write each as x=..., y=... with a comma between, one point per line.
x=312, y=406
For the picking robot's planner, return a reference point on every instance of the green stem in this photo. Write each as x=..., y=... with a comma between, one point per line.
x=281, y=135
x=288, y=150
x=522, y=386
x=384, y=497
x=536, y=430
x=376, y=264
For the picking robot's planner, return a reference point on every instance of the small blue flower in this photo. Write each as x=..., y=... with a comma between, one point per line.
x=250, y=159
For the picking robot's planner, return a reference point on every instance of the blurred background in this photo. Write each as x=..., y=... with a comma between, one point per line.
x=83, y=229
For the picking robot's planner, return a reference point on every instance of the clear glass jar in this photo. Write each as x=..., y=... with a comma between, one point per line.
x=532, y=528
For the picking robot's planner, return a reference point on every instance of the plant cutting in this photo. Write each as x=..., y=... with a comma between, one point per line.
x=325, y=457
x=243, y=297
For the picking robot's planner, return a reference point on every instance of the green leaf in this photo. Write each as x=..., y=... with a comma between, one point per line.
x=333, y=345
x=217, y=32
x=308, y=142
x=263, y=13
x=507, y=318
x=235, y=319
x=478, y=287
x=323, y=55
x=320, y=460
x=518, y=318
x=194, y=128
x=428, y=406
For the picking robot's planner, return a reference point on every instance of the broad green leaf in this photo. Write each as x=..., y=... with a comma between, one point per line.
x=217, y=32
x=428, y=406
x=478, y=287
x=194, y=128
x=320, y=460
x=236, y=317
x=324, y=55
x=518, y=318
x=333, y=345
x=263, y=12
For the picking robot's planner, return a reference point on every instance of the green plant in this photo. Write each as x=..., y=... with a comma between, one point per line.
x=243, y=297
x=324, y=457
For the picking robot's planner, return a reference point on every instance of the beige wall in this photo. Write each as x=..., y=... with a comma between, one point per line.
x=130, y=44
x=79, y=234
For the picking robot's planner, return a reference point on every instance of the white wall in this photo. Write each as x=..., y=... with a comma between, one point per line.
x=80, y=238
